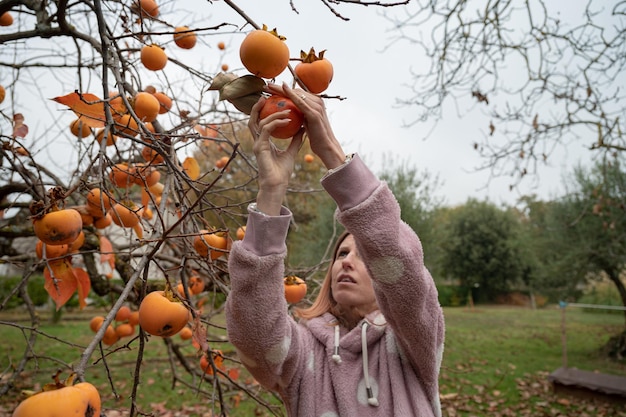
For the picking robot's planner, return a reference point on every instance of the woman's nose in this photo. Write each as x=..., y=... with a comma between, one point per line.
x=347, y=261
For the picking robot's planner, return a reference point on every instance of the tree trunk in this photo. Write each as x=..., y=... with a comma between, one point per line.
x=616, y=347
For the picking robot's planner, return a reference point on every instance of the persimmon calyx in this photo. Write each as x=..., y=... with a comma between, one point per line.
x=293, y=280
x=56, y=196
x=58, y=384
x=169, y=294
x=274, y=32
x=311, y=56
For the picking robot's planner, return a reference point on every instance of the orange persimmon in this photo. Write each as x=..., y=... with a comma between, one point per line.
x=264, y=53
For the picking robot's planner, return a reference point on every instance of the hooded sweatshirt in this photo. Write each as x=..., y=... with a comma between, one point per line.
x=388, y=365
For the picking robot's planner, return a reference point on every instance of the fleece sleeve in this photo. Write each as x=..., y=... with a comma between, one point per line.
x=392, y=252
x=256, y=311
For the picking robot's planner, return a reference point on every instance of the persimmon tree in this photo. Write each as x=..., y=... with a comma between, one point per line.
x=546, y=75
x=150, y=146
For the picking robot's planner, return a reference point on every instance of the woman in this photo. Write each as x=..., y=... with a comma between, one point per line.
x=372, y=342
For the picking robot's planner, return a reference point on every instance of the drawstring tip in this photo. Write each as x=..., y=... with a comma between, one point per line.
x=337, y=358
x=371, y=400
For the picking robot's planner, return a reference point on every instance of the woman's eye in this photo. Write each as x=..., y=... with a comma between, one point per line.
x=342, y=253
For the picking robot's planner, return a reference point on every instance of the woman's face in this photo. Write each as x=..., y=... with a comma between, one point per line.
x=351, y=284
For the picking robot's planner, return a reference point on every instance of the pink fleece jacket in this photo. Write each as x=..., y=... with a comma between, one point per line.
x=386, y=366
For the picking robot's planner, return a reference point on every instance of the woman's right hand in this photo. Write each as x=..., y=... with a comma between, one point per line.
x=316, y=123
x=275, y=165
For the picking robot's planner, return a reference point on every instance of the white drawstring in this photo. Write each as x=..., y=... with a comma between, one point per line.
x=371, y=399
x=336, y=356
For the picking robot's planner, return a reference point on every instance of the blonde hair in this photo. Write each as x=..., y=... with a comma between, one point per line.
x=324, y=303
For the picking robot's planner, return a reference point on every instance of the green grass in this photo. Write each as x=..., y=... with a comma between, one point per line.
x=496, y=360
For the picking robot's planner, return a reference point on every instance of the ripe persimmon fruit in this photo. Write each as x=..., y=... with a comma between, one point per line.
x=165, y=104
x=125, y=214
x=78, y=243
x=153, y=57
x=111, y=138
x=127, y=124
x=2, y=93
x=295, y=289
x=110, y=336
x=276, y=103
x=122, y=175
x=133, y=318
x=51, y=251
x=124, y=330
x=221, y=45
x=221, y=163
x=162, y=315
x=58, y=227
x=186, y=333
x=102, y=222
x=6, y=19
x=308, y=158
x=196, y=284
x=61, y=399
x=123, y=313
x=145, y=175
x=116, y=102
x=80, y=129
x=210, y=243
x=98, y=202
x=151, y=155
x=146, y=8
x=95, y=323
x=241, y=232
x=146, y=106
x=264, y=53
x=184, y=38
x=315, y=72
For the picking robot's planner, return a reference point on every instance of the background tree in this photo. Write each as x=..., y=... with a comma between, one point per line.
x=586, y=233
x=479, y=249
x=545, y=74
x=589, y=221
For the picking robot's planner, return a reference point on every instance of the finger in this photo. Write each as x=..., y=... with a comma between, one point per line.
x=296, y=143
x=299, y=97
x=274, y=89
x=253, y=121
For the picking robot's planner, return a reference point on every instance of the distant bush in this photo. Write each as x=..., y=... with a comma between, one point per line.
x=452, y=295
x=34, y=288
x=602, y=294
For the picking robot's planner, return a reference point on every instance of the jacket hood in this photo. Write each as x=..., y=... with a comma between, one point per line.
x=323, y=328
x=352, y=343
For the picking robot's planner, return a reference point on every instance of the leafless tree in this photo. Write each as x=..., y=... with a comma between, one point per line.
x=546, y=74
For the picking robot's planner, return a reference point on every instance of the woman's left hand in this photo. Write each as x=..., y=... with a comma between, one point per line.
x=275, y=165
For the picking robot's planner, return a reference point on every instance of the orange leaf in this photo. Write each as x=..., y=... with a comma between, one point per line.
x=88, y=107
x=191, y=167
x=60, y=281
x=106, y=252
x=84, y=285
x=138, y=230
